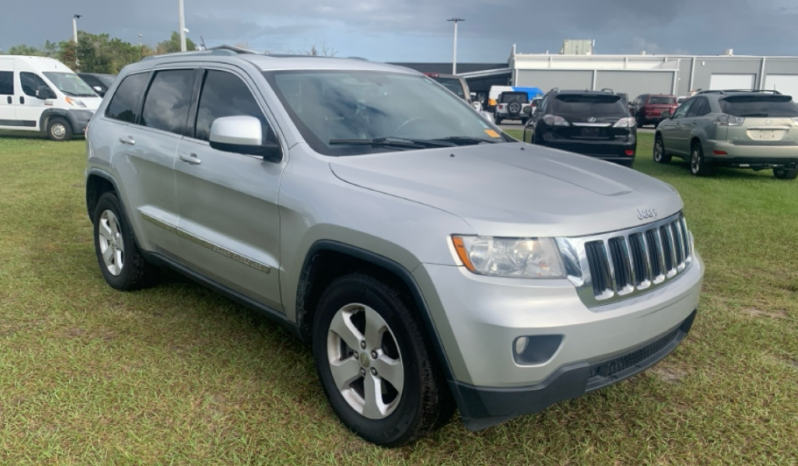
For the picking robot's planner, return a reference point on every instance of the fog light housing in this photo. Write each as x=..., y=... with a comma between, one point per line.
x=535, y=349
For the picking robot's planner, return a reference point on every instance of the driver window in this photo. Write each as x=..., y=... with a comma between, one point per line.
x=698, y=107
x=225, y=94
x=682, y=111
x=31, y=82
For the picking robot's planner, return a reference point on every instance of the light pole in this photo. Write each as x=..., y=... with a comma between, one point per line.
x=75, y=19
x=454, y=49
x=182, y=25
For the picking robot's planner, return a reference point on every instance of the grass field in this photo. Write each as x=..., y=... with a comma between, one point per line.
x=179, y=375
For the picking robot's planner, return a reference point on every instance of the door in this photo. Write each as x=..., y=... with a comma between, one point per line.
x=674, y=132
x=145, y=148
x=731, y=81
x=7, y=112
x=29, y=108
x=784, y=83
x=229, y=219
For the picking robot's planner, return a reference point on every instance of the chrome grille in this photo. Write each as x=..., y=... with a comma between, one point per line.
x=626, y=263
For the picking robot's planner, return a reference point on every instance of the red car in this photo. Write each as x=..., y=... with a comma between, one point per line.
x=647, y=108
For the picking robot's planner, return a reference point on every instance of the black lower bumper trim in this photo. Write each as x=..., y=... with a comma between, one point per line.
x=482, y=407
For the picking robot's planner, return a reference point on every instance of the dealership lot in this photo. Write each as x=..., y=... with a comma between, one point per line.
x=179, y=374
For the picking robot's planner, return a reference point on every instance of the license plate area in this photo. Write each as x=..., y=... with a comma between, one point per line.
x=591, y=133
x=766, y=134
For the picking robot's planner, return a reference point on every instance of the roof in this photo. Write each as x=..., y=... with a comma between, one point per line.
x=272, y=62
x=41, y=63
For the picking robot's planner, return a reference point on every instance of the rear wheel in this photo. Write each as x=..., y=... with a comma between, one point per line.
x=785, y=173
x=59, y=129
x=698, y=165
x=659, y=151
x=498, y=120
x=375, y=363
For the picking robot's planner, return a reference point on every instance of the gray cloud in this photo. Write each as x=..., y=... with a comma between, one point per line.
x=416, y=29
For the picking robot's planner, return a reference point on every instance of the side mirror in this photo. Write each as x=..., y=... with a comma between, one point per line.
x=44, y=93
x=526, y=110
x=244, y=135
x=666, y=114
x=476, y=105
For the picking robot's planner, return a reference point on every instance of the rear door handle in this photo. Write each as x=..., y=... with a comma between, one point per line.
x=127, y=140
x=9, y=99
x=191, y=158
x=22, y=100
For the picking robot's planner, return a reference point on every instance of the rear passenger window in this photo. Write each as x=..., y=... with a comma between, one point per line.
x=124, y=105
x=6, y=83
x=225, y=94
x=168, y=100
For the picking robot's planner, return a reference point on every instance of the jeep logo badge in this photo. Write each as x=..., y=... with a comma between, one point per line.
x=643, y=214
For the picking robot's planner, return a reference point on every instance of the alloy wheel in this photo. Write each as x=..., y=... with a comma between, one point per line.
x=365, y=361
x=112, y=245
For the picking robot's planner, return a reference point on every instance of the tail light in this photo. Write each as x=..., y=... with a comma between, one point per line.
x=729, y=120
x=553, y=120
x=502, y=106
x=628, y=122
x=629, y=152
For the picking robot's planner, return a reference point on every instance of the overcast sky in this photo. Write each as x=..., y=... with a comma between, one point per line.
x=416, y=30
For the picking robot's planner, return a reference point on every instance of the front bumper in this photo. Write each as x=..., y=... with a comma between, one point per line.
x=80, y=120
x=479, y=318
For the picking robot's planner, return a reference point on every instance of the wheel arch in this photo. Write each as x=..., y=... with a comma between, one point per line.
x=48, y=114
x=99, y=182
x=328, y=259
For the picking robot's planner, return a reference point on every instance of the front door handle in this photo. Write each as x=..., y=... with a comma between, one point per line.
x=190, y=158
x=22, y=100
x=127, y=140
x=9, y=99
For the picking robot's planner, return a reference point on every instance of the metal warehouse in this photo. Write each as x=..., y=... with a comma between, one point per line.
x=630, y=74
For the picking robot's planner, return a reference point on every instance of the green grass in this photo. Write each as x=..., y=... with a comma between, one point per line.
x=179, y=375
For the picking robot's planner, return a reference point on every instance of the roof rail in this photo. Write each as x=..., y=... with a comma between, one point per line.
x=726, y=91
x=192, y=54
x=233, y=49
x=607, y=89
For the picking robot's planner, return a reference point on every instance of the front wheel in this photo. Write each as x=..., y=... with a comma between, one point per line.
x=376, y=364
x=659, y=151
x=785, y=173
x=698, y=165
x=59, y=129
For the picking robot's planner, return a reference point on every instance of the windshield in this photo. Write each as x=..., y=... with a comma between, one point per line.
x=106, y=79
x=661, y=100
x=330, y=106
x=759, y=106
x=452, y=84
x=70, y=84
x=514, y=97
x=594, y=105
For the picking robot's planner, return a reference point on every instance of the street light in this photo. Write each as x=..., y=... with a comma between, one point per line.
x=454, y=50
x=75, y=19
x=182, y=14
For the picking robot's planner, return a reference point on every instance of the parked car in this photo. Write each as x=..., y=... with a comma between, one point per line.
x=681, y=99
x=100, y=83
x=594, y=123
x=42, y=94
x=430, y=260
x=739, y=129
x=496, y=91
x=511, y=106
x=534, y=104
x=648, y=108
x=454, y=83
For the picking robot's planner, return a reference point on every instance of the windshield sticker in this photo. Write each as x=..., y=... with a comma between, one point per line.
x=491, y=133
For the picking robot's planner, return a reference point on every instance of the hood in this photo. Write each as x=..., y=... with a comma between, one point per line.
x=515, y=189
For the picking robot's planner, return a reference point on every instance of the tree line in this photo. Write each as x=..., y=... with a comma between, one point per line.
x=100, y=53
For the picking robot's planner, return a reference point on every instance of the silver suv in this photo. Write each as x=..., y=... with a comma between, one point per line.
x=431, y=261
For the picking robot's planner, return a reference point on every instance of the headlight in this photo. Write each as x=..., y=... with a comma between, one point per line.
x=510, y=257
x=75, y=102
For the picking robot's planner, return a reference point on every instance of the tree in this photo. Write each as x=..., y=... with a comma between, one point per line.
x=317, y=50
x=173, y=45
x=23, y=49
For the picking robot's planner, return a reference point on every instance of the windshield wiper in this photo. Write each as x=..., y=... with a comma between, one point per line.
x=71, y=94
x=465, y=140
x=391, y=142
x=754, y=115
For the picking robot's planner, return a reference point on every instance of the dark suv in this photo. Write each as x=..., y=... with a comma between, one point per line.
x=647, y=108
x=594, y=123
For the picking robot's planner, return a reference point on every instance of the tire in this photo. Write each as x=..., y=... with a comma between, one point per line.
x=59, y=129
x=124, y=268
x=498, y=120
x=659, y=154
x=640, y=123
x=524, y=120
x=401, y=413
x=698, y=165
x=785, y=173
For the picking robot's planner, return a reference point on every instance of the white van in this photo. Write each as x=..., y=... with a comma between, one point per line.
x=42, y=94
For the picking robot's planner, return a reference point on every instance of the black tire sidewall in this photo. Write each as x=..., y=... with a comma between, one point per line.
x=392, y=429
x=67, y=129
x=109, y=201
